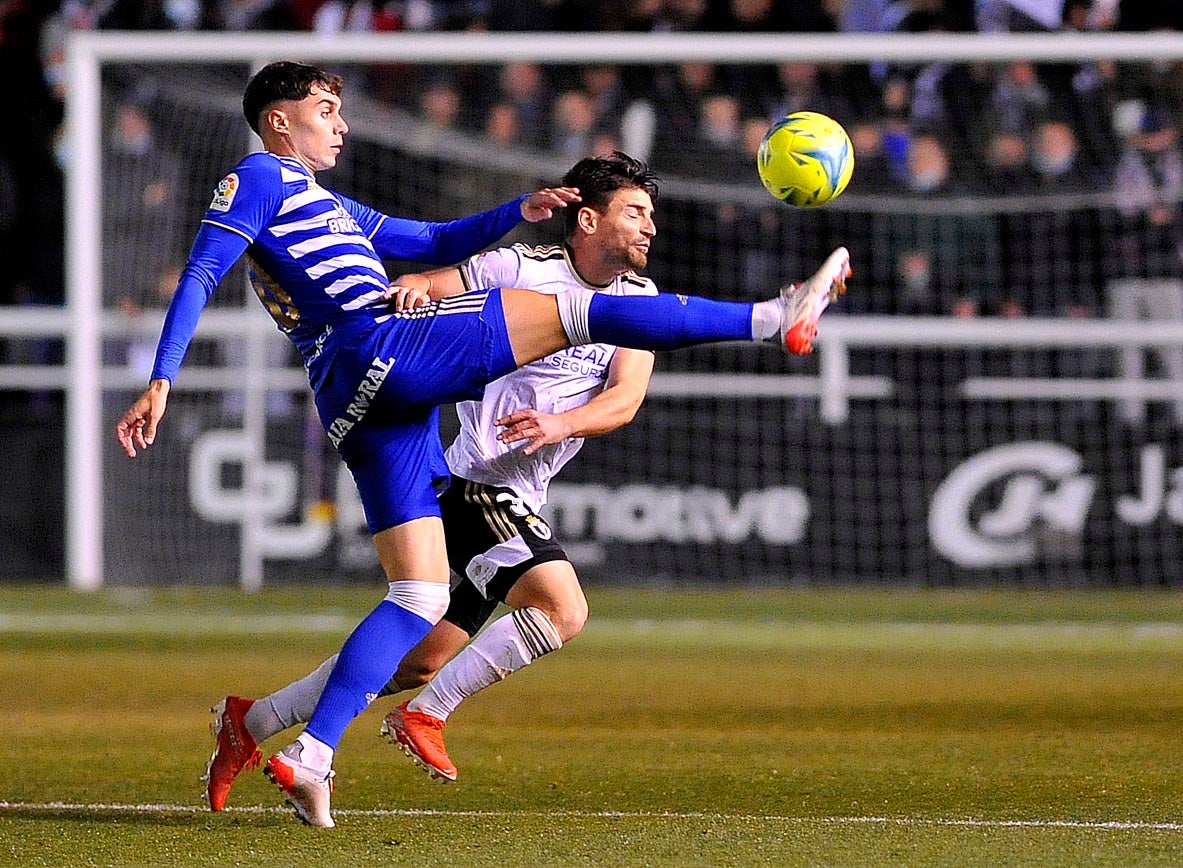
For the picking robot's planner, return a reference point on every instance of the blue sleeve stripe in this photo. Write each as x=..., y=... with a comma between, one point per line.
x=228, y=228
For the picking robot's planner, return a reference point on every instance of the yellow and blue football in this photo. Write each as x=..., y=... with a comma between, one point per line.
x=805, y=159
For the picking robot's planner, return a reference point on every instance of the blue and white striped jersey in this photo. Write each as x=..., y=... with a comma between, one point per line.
x=310, y=255
x=314, y=256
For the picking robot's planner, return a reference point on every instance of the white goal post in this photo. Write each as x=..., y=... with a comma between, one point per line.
x=84, y=324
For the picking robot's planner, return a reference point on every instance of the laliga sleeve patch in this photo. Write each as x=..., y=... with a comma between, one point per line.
x=224, y=193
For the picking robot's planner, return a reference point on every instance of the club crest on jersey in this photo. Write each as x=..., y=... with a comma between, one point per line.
x=224, y=193
x=539, y=526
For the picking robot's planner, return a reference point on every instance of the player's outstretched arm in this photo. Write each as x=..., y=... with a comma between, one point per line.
x=499, y=267
x=138, y=425
x=450, y=242
x=215, y=249
x=615, y=407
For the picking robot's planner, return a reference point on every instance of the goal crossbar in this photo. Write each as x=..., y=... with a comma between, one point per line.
x=632, y=48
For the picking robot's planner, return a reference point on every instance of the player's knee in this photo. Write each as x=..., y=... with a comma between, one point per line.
x=569, y=617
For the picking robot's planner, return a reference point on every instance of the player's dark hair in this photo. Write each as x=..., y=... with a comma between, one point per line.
x=599, y=177
x=284, y=80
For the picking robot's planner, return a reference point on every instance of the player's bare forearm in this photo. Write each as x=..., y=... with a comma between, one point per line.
x=414, y=290
x=609, y=410
x=137, y=427
x=615, y=407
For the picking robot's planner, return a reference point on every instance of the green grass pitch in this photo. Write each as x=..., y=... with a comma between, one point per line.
x=756, y=727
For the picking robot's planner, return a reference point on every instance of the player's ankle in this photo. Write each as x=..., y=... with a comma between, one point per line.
x=315, y=753
x=766, y=318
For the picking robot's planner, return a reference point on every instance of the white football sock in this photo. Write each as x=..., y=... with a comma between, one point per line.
x=428, y=600
x=509, y=643
x=315, y=754
x=766, y=318
x=573, y=314
x=289, y=705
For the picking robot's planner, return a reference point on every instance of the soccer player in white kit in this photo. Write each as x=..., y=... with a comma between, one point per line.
x=527, y=426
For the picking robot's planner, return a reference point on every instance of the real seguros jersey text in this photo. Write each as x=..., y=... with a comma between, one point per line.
x=553, y=384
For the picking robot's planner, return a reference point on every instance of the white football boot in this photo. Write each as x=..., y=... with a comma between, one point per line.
x=805, y=302
x=305, y=789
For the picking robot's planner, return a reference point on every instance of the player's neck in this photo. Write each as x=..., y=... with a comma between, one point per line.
x=283, y=149
x=589, y=266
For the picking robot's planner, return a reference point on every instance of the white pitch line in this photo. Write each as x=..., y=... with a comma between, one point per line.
x=1103, y=825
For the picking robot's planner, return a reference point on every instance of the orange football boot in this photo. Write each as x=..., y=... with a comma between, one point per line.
x=421, y=737
x=234, y=749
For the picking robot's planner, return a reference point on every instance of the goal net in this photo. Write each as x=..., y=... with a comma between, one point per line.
x=999, y=399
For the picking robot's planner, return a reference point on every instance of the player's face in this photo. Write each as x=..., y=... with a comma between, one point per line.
x=626, y=228
x=315, y=129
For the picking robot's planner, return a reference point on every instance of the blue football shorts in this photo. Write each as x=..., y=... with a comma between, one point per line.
x=380, y=399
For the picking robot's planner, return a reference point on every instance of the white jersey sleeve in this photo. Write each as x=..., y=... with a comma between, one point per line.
x=492, y=269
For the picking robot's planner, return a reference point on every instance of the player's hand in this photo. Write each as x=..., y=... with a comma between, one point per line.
x=541, y=204
x=138, y=425
x=407, y=297
x=541, y=429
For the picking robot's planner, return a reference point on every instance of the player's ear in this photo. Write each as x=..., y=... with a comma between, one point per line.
x=276, y=119
x=587, y=219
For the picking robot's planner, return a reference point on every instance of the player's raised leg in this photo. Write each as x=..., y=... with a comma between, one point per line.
x=538, y=324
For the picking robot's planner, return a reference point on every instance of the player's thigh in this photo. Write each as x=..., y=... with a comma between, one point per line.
x=414, y=550
x=532, y=321
x=398, y=466
x=440, y=354
x=554, y=588
x=494, y=537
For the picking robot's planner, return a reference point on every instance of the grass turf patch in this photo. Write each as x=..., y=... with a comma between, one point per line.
x=788, y=728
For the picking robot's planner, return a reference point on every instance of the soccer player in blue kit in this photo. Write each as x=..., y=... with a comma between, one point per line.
x=379, y=374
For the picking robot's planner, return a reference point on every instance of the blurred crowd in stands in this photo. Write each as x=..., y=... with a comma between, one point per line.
x=922, y=130
x=1056, y=188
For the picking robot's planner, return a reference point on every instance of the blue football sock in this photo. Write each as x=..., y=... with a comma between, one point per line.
x=666, y=322
x=369, y=657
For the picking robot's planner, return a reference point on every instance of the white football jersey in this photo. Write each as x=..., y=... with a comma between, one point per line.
x=553, y=384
